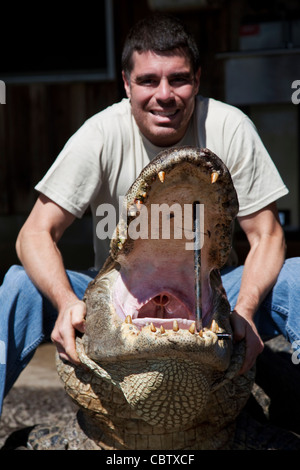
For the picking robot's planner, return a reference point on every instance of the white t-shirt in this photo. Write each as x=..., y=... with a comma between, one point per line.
x=104, y=157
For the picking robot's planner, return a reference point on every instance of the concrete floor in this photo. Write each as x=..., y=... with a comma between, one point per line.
x=37, y=397
x=41, y=371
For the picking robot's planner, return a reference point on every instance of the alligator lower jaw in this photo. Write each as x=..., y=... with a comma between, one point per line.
x=169, y=326
x=127, y=342
x=187, y=341
x=112, y=336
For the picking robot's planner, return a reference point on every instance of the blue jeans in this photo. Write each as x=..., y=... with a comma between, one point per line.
x=27, y=318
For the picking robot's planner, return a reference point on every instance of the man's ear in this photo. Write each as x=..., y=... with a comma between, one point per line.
x=126, y=84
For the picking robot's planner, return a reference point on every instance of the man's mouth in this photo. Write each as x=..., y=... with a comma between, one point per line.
x=165, y=114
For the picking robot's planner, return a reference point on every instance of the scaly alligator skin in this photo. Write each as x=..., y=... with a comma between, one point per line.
x=149, y=379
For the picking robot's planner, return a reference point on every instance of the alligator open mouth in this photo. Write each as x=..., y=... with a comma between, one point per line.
x=167, y=305
x=157, y=282
x=146, y=298
x=158, y=294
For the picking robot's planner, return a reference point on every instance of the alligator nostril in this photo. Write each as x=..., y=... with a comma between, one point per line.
x=161, y=300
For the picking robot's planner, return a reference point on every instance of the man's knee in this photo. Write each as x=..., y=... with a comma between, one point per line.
x=292, y=264
x=16, y=278
x=290, y=273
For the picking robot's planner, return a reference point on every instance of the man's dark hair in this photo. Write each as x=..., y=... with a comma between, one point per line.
x=159, y=33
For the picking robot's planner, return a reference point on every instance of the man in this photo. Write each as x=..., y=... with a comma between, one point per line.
x=161, y=74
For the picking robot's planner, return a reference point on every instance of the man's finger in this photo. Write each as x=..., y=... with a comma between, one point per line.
x=78, y=312
x=63, y=334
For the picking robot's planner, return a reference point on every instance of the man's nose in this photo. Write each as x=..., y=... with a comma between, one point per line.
x=164, y=91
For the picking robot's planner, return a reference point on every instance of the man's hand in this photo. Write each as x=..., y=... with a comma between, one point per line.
x=38, y=251
x=245, y=329
x=261, y=268
x=69, y=320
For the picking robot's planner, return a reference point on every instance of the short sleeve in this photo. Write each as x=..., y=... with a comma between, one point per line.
x=255, y=176
x=75, y=177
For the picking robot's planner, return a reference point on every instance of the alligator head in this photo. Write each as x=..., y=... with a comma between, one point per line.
x=149, y=367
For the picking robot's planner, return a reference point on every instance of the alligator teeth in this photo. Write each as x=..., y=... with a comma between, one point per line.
x=128, y=319
x=161, y=176
x=175, y=325
x=214, y=176
x=214, y=327
x=131, y=212
x=138, y=204
x=201, y=333
x=121, y=242
x=192, y=328
x=152, y=328
x=162, y=330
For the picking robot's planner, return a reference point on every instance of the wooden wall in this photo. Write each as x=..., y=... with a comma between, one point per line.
x=35, y=124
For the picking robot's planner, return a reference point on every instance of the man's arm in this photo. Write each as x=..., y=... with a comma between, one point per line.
x=37, y=250
x=262, y=266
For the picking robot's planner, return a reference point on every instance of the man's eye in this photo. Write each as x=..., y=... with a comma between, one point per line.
x=148, y=82
x=179, y=81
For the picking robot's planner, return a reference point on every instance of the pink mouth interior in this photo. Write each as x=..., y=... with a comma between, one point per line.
x=156, y=281
x=162, y=310
x=160, y=305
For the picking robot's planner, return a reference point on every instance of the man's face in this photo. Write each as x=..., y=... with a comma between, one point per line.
x=162, y=90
